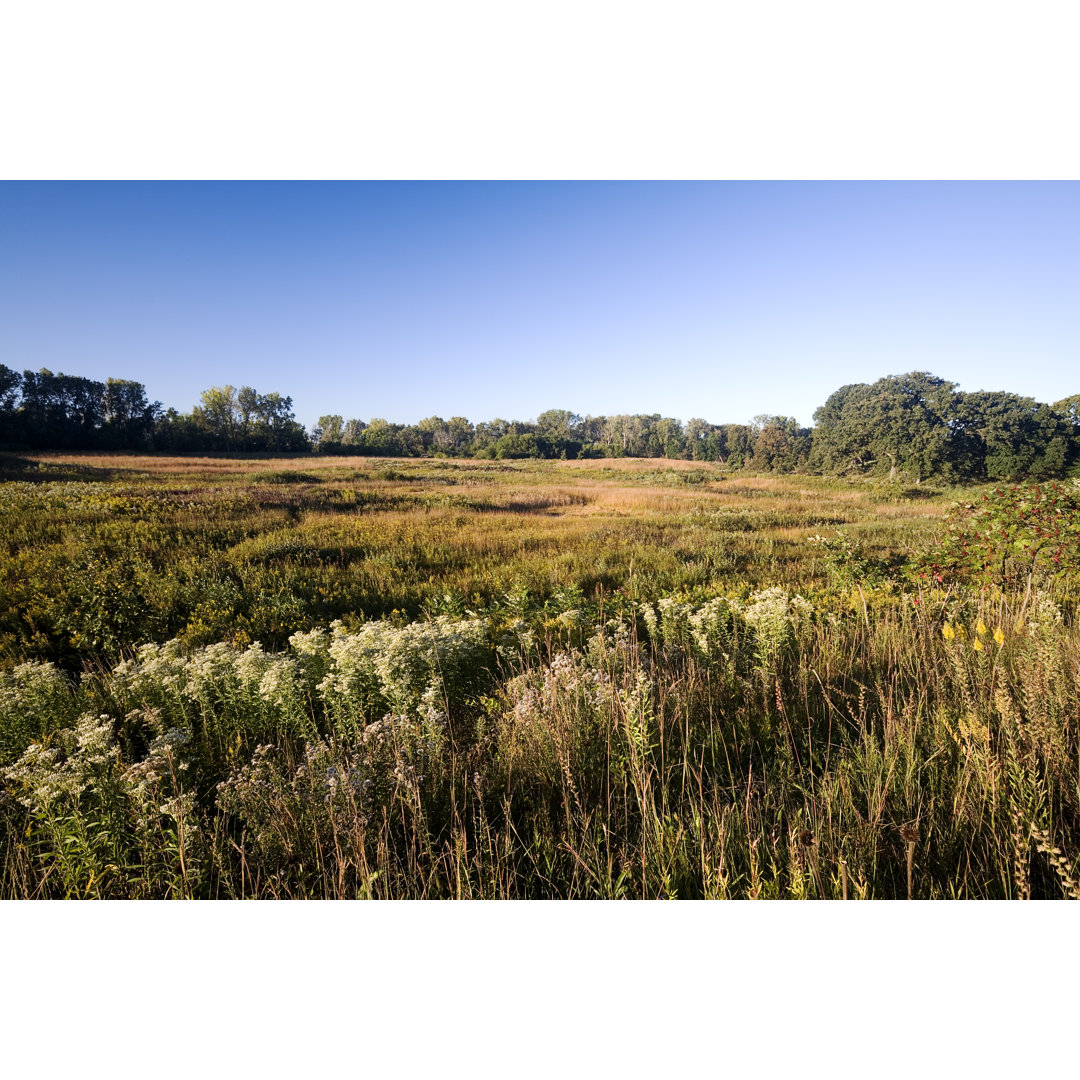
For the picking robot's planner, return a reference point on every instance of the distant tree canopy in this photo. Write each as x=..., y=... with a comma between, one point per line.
x=920, y=425
x=47, y=411
x=899, y=423
x=231, y=419
x=780, y=445
x=910, y=427
x=68, y=412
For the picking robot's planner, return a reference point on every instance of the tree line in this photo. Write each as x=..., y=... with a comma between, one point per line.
x=46, y=411
x=912, y=426
x=559, y=433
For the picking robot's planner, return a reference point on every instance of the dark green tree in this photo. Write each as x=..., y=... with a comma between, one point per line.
x=129, y=419
x=10, y=384
x=60, y=410
x=899, y=424
x=1002, y=436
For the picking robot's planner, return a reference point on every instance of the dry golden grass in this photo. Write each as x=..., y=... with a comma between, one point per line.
x=629, y=464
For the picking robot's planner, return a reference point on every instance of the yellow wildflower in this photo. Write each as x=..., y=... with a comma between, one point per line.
x=978, y=645
x=999, y=636
x=980, y=628
x=948, y=632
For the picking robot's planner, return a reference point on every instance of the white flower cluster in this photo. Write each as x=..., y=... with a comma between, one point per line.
x=156, y=669
x=1044, y=616
x=41, y=781
x=674, y=619
x=310, y=644
x=712, y=626
x=528, y=701
x=776, y=615
x=517, y=639
x=568, y=680
x=256, y=784
x=570, y=619
x=277, y=683
x=567, y=674
x=209, y=674
x=409, y=666
x=214, y=670
x=708, y=629
x=95, y=742
x=652, y=623
x=46, y=776
x=32, y=687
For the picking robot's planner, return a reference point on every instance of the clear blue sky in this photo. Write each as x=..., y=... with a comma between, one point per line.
x=401, y=300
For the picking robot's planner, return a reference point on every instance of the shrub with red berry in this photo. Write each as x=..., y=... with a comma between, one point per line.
x=1030, y=532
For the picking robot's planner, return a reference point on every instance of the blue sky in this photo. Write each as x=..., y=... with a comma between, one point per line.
x=402, y=300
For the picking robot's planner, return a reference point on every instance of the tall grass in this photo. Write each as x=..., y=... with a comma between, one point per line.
x=758, y=749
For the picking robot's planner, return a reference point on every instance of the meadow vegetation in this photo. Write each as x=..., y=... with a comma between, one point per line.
x=330, y=676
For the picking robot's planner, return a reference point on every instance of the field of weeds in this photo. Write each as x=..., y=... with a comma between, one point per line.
x=343, y=677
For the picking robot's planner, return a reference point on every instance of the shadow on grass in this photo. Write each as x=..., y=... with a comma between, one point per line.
x=14, y=467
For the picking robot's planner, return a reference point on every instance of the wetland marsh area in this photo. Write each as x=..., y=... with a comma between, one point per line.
x=332, y=676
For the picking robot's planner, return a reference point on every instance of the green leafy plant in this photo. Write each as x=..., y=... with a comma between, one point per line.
x=1014, y=535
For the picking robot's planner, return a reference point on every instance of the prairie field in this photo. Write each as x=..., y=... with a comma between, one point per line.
x=338, y=677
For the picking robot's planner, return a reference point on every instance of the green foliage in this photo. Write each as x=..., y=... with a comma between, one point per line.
x=35, y=701
x=847, y=564
x=780, y=444
x=244, y=419
x=901, y=423
x=1001, y=436
x=517, y=446
x=920, y=426
x=1014, y=535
